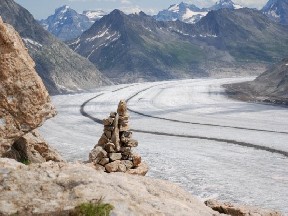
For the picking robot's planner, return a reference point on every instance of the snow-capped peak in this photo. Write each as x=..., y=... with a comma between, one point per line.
x=62, y=9
x=225, y=4
x=174, y=8
x=94, y=15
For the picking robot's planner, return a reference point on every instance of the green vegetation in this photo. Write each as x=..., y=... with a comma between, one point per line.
x=97, y=208
x=25, y=161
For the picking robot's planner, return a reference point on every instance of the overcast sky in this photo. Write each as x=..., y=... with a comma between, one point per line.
x=43, y=8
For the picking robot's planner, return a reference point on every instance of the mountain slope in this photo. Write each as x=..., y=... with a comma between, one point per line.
x=66, y=23
x=137, y=47
x=61, y=69
x=247, y=34
x=277, y=10
x=271, y=86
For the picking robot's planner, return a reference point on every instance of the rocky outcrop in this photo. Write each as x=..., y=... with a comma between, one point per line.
x=237, y=210
x=24, y=102
x=56, y=188
x=270, y=87
x=114, y=148
x=32, y=148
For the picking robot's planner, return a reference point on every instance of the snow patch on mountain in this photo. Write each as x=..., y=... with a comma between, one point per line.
x=190, y=13
x=94, y=15
x=29, y=42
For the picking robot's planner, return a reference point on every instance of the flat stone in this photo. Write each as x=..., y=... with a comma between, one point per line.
x=113, y=166
x=104, y=161
x=97, y=154
x=115, y=156
x=238, y=210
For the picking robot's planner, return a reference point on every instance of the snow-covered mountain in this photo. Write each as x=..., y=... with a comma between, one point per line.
x=94, y=15
x=67, y=24
x=190, y=13
x=277, y=10
x=225, y=4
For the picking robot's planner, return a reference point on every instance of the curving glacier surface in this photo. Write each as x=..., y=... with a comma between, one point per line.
x=189, y=133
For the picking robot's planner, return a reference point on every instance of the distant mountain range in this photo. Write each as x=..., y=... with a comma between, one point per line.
x=190, y=13
x=61, y=69
x=136, y=47
x=269, y=87
x=67, y=24
x=277, y=10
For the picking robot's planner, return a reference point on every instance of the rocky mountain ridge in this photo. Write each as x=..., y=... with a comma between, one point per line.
x=136, y=47
x=270, y=87
x=190, y=13
x=67, y=24
x=61, y=69
x=277, y=10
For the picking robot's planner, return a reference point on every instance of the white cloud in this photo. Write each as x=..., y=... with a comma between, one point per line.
x=125, y=2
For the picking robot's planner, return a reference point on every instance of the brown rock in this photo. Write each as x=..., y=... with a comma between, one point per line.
x=132, y=143
x=97, y=154
x=115, y=135
x=103, y=140
x=237, y=210
x=33, y=148
x=24, y=102
x=113, y=114
x=122, y=108
x=115, y=156
x=124, y=128
x=110, y=147
x=108, y=121
x=125, y=150
x=108, y=134
x=113, y=166
x=121, y=168
x=136, y=158
x=142, y=169
x=128, y=164
x=104, y=161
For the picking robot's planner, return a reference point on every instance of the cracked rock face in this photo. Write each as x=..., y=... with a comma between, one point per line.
x=54, y=189
x=24, y=101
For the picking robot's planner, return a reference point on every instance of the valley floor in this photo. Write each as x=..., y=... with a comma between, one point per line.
x=190, y=133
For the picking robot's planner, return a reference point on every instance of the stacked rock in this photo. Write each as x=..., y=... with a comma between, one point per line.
x=114, y=149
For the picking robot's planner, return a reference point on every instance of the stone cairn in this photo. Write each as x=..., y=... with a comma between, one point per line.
x=113, y=153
